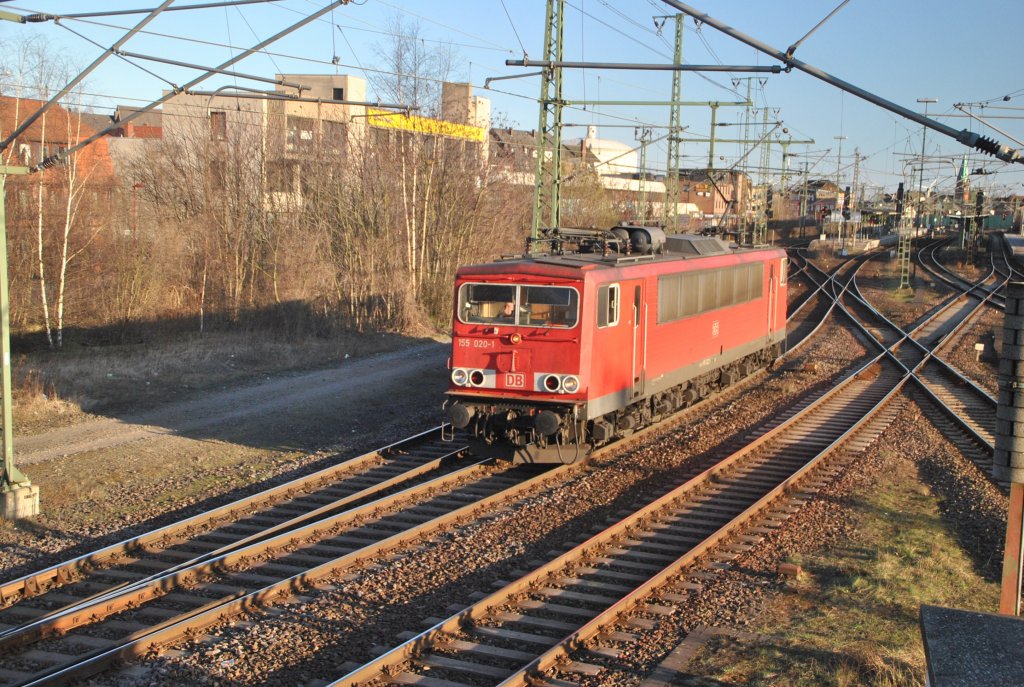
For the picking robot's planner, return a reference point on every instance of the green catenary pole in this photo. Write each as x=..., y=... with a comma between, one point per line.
x=548, y=172
x=12, y=477
x=675, y=132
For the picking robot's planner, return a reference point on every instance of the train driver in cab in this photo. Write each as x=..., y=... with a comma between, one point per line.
x=507, y=314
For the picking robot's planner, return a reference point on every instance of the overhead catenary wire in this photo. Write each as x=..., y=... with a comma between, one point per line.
x=311, y=60
x=284, y=32
x=272, y=54
x=82, y=74
x=965, y=137
x=118, y=55
x=256, y=36
x=48, y=16
x=513, y=25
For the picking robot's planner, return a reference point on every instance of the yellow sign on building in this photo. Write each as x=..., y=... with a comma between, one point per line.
x=384, y=119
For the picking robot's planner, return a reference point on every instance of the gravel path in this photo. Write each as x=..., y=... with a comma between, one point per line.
x=266, y=412
x=142, y=478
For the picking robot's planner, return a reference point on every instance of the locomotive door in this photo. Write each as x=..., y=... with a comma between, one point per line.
x=639, y=323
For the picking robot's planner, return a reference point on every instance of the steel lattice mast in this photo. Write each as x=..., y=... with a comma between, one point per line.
x=674, y=131
x=547, y=186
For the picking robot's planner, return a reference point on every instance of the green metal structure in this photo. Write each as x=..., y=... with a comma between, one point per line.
x=904, y=259
x=671, y=208
x=547, y=186
x=11, y=477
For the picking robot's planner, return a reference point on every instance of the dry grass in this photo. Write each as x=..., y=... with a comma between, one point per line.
x=59, y=388
x=852, y=619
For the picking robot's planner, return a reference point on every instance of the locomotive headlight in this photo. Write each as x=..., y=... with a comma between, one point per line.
x=570, y=384
x=515, y=338
x=476, y=377
x=460, y=377
x=552, y=383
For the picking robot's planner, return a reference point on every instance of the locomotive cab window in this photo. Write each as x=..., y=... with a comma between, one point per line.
x=784, y=271
x=608, y=305
x=524, y=306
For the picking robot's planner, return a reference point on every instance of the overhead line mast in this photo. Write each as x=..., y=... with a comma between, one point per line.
x=675, y=131
x=547, y=181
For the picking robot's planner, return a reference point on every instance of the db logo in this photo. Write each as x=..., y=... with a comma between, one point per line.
x=515, y=379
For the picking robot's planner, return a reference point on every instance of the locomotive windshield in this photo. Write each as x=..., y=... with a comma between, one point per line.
x=519, y=305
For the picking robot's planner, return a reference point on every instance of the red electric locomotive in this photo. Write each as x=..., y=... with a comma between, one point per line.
x=555, y=354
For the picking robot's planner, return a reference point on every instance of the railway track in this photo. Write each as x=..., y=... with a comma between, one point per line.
x=556, y=625
x=928, y=259
x=517, y=635
x=961, y=401
x=222, y=529
x=88, y=636
x=160, y=628
x=76, y=619
x=811, y=310
x=918, y=349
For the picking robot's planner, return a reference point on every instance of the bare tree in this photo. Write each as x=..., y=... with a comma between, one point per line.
x=62, y=195
x=412, y=72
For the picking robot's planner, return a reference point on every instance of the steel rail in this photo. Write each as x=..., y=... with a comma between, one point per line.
x=217, y=610
x=903, y=336
x=461, y=622
x=830, y=281
x=979, y=429
x=244, y=601
x=156, y=586
x=937, y=314
x=525, y=676
x=563, y=650
x=971, y=425
x=952, y=279
x=383, y=460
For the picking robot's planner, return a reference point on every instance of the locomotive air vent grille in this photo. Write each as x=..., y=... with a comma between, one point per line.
x=691, y=244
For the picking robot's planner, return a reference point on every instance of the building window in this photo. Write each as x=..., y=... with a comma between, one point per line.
x=334, y=135
x=299, y=135
x=338, y=94
x=218, y=175
x=219, y=126
x=281, y=177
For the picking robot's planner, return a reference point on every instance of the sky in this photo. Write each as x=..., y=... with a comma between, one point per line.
x=950, y=51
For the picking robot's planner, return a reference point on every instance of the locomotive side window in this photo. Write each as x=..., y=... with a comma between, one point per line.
x=784, y=272
x=525, y=306
x=608, y=305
